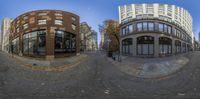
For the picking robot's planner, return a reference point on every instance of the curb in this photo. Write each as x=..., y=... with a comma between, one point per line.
x=137, y=72
x=60, y=68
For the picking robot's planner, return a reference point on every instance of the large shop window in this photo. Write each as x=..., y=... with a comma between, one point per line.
x=165, y=45
x=127, y=46
x=177, y=46
x=34, y=43
x=65, y=42
x=15, y=45
x=145, y=45
x=184, y=47
x=188, y=47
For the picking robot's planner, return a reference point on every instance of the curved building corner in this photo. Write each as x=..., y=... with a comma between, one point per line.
x=45, y=33
x=154, y=30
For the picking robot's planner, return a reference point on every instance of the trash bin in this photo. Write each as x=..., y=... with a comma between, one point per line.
x=114, y=58
x=110, y=54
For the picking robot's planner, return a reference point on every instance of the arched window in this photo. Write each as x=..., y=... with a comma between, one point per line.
x=127, y=46
x=165, y=45
x=145, y=45
x=177, y=46
x=184, y=48
x=188, y=48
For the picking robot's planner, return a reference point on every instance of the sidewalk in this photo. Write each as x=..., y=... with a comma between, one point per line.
x=59, y=64
x=151, y=67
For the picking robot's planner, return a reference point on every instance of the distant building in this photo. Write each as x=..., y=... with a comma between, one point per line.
x=196, y=45
x=6, y=23
x=94, y=40
x=102, y=33
x=199, y=36
x=0, y=39
x=88, y=37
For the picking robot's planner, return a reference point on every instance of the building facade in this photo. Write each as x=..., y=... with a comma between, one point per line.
x=153, y=30
x=199, y=36
x=6, y=22
x=102, y=33
x=196, y=45
x=88, y=38
x=45, y=33
x=85, y=32
x=94, y=41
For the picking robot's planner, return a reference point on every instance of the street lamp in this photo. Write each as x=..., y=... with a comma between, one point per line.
x=108, y=46
x=108, y=43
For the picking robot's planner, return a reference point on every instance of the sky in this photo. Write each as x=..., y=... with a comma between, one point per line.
x=94, y=12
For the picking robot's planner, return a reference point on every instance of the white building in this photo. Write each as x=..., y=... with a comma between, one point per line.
x=153, y=30
x=6, y=22
x=170, y=13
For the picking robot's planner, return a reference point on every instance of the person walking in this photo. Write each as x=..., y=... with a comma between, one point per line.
x=12, y=50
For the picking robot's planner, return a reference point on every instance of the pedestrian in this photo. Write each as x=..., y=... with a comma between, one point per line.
x=12, y=50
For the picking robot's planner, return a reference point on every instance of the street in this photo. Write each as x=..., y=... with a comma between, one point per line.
x=95, y=78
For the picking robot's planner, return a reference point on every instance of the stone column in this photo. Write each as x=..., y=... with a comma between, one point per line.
x=50, y=41
x=173, y=47
x=20, y=44
x=134, y=45
x=186, y=47
x=156, y=46
x=78, y=38
x=120, y=48
x=181, y=47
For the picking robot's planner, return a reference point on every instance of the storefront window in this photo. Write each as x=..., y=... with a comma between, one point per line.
x=145, y=45
x=59, y=37
x=34, y=43
x=127, y=46
x=178, y=46
x=15, y=45
x=165, y=45
x=183, y=47
x=41, y=42
x=64, y=42
x=25, y=43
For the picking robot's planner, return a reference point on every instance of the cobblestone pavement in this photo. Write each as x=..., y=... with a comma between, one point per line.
x=95, y=78
x=152, y=67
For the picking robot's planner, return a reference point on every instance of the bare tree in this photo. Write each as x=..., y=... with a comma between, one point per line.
x=111, y=29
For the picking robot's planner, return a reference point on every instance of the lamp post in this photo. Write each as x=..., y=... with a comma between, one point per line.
x=108, y=46
x=119, y=55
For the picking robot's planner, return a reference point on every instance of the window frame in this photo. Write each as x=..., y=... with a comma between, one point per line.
x=58, y=22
